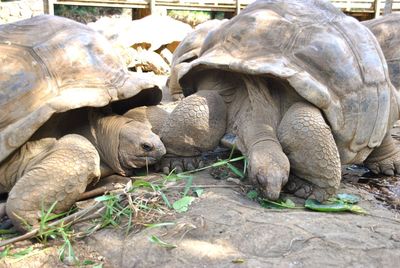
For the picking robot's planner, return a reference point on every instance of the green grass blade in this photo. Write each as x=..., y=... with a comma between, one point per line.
x=161, y=243
x=23, y=253
x=6, y=232
x=88, y=262
x=188, y=185
x=103, y=198
x=142, y=184
x=166, y=201
x=235, y=170
x=157, y=225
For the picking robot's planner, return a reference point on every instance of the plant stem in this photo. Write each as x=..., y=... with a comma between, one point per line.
x=65, y=221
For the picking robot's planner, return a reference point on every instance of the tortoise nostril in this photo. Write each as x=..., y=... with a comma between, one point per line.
x=147, y=147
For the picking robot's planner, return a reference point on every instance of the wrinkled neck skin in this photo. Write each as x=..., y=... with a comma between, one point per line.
x=255, y=104
x=105, y=132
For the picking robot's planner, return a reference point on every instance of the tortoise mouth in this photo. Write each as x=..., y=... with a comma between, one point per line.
x=138, y=162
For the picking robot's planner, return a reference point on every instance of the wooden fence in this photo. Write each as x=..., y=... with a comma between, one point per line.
x=349, y=6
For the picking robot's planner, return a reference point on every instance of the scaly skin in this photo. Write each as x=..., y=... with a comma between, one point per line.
x=59, y=173
x=308, y=142
x=299, y=141
x=386, y=158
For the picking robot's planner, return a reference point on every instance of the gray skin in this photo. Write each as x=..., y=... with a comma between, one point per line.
x=51, y=147
x=305, y=89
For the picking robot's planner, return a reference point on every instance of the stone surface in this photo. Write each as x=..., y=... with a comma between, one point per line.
x=11, y=11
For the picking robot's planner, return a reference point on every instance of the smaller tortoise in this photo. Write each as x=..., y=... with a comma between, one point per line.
x=52, y=143
x=302, y=86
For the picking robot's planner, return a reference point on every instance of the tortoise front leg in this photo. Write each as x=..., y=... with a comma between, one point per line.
x=385, y=159
x=60, y=174
x=314, y=158
x=195, y=126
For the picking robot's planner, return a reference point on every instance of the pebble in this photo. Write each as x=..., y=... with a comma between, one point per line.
x=395, y=237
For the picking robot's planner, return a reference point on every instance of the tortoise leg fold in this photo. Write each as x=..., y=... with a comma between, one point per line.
x=385, y=159
x=314, y=158
x=61, y=174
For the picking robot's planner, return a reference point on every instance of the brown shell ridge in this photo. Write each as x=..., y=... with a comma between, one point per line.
x=377, y=119
x=356, y=142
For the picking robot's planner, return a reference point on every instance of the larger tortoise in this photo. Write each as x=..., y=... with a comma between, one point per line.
x=305, y=88
x=51, y=146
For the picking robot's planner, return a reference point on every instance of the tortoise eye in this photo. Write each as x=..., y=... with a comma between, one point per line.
x=147, y=147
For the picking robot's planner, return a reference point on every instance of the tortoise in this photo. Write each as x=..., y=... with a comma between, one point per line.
x=385, y=29
x=53, y=140
x=305, y=88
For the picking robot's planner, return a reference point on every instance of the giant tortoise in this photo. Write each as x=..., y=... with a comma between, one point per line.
x=305, y=88
x=51, y=145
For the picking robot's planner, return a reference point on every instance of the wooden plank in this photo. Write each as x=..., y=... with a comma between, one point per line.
x=350, y=6
x=237, y=11
x=101, y=4
x=152, y=6
x=377, y=8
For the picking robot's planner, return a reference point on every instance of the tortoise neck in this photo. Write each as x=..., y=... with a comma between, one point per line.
x=105, y=131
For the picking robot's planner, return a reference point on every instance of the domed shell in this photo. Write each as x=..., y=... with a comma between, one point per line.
x=188, y=50
x=329, y=59
x=49, y=65
x=386, y=30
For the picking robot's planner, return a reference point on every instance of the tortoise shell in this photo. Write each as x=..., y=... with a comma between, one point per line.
x=386, y=31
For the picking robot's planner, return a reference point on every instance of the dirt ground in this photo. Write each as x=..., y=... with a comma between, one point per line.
x=223, y=228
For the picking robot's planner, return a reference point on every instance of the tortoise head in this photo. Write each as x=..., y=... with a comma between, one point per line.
x=124, y=143
x=138, y=146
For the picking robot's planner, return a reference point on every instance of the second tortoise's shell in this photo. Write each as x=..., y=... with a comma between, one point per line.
x=50, y=65
x=328, y=58
x=387, y=31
